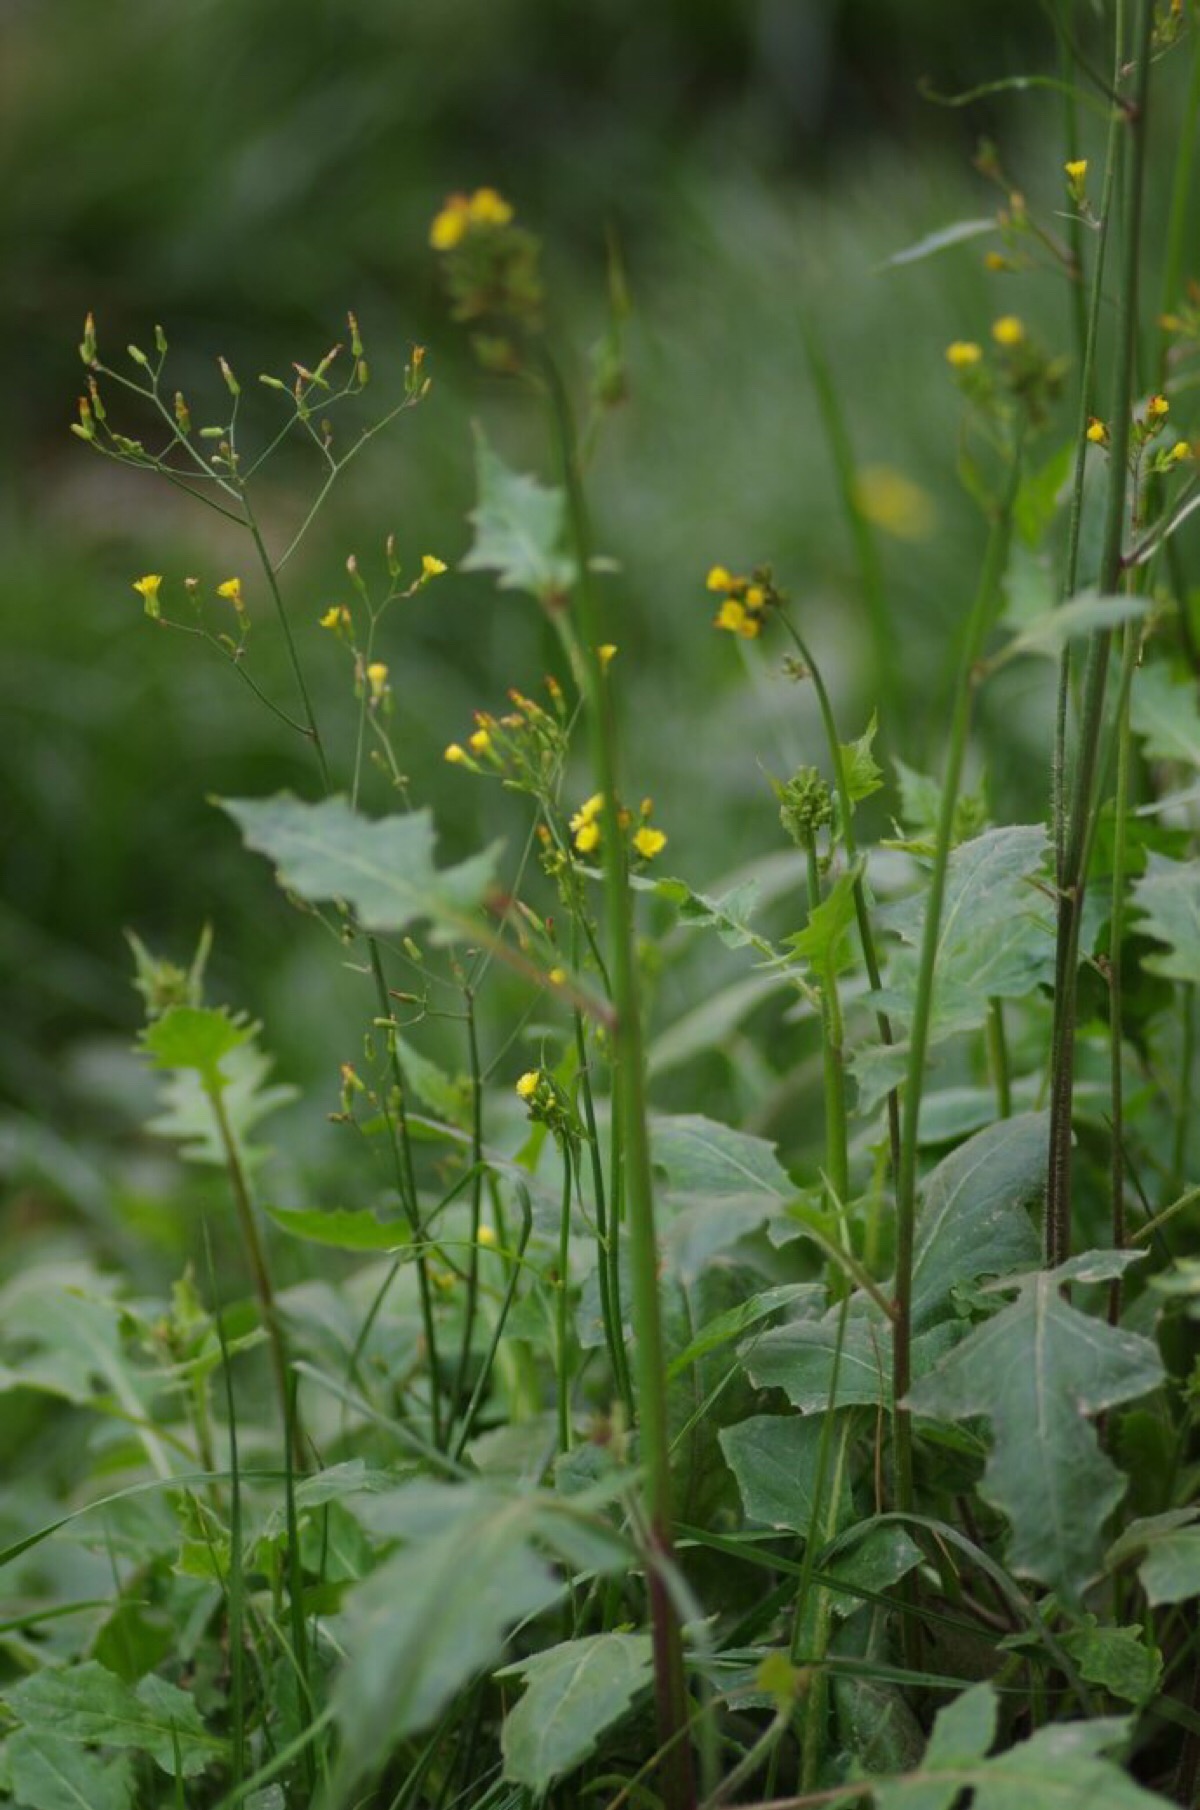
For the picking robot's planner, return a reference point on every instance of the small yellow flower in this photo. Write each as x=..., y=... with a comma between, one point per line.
x=455, y=755
x=1181, y=450
x=557, y=976
x=735, y=617
x=756, y=597
x=719, y=579
x=431, y=566
x=1097, y=431
x=996, y=260
x=1008, y=331
x=1157, y=409
x=963, y=353
x=377, y=677
x=231, y=590
x=487, y=207
x=1077, y=169
x=606, y=655
x=334, y=616
x=450, y=225
x=479, y=742
x=527, y=1086
x=587, y=836
x=148, y=588
x=588, y=811
x=488, y=1238
x=649, y=842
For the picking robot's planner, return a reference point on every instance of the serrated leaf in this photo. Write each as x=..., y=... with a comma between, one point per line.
x=1036, y=1372
x=973, y=1219
x=519, y=525
x=187, y=1114
x=573, y=1693
x=728, y=915
x=51, y=1773
x=1166, y=716
x=860, y=770
x=195, y=1037
x=1117, y=1659
x=824, y=943
x=383, y=868
x=1168, y=896
x=343, y=1230
x=88, y=1703
x=774, y=1459
x=942, y=240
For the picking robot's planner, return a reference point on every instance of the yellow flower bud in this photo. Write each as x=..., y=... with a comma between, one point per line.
x=455, y=755
x=431, y=566
x=377, y=677
x=961, y=354
x=718, y=579
x=527, y=1086
x=450, y=225
x=649, y=842
x=1008, y=331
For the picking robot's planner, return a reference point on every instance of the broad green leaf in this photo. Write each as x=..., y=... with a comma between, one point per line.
x=701, y=1158
x=187, y=1114
x=88, y=1703
x=860, y=770
x=920, y=803
x=573, y=1693
x=382, y=867
x=737, y=1320
x=1117, y=1659
x=1035, y=1372
x=962, y=1734
x=941, y=240
x=729, y=915
x=1168, y=896
x=799, y=1359
x=1167, y=1548
x=345, y=1231
x=519, y=526
x=436, y=1613
x=1086, y=614
x=876, y=1725
x=1166, y=716
x=774, y=1458
x=824, y=943
x=50, y=1772
x=198, y=1038
x=876, y=1561
x=67, y=1334
x=973, y=1219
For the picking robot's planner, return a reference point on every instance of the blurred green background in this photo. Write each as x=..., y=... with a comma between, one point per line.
x=243, y=171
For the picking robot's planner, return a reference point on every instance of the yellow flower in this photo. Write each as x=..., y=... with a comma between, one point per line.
x=963, y=353
x=431, y=566
x=527, y=1086
x=455, y=755
x=996, y=260
x=1180, y=450
x=649, y=842
x=1097, y=432
x=1077, y=169
x=377, y=676
x=231, y=590
x=588, y=811
x=587, y=836
x=334, y=616
x=487, y=207
x=1157, y=409
x=450, y=225
x=606, y=655
x=1008, y=331
x=480, y=742
x=557, y=976
x=719, y=579
x=735, y=617
x=756, y=597
x=488, y=1238
x=148, y=588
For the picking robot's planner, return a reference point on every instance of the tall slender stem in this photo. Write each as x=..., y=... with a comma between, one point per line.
x=1073, y=875
x=654, y=1445
x=1129, y=653
x=833, y=1057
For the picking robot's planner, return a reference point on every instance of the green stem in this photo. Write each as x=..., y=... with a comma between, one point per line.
x=1073, y=875
x=1183, y=1117
x=1077, y=299
x=998, y=1058
x=611, y=1316
x=477, y=1161
x=563, y=1315
x=837, y=1159
x=311, y=730
x=1129, y=654
x=978, y=623
x=1181, y=222
x=678, y=1789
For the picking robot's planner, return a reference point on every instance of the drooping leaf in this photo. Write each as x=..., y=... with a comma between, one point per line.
x=383, y=868
x=774, y=1459
x=343, y=1230
x=88, y=1703
x=973, y=1219
x=1167, y=1549
x=50, y=1772
x=1168, y=896
x=1085, y=614
x=1165, y=716
x=574, y=1692
x=941, y=240
x=519, y=527
x=1036, y=1372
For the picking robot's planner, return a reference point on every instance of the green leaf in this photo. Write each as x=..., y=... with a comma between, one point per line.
x=710, y=1025
x=574, y=1692
x=50, y=1772
x=198, y=1038
x=877, y=1560
x=701, y=1158
x=187, y=1114
x=1168, y=896
x=774, y=1459
x=799, y=1359
x=729, y=915
x=345, y=1231
x=1169, y=1549
x=1116, y=1659
x=519, y=526
x=860, y=770
x=941, y=240
x=1166, y=717
x=1039, y=495
x=973, y=1219
x=436, y=1613
x=1035, y=1372
x=383, y=867
x=1085, y=614
x=88, y=1703
x=962, y=1734
x=824, y=943
x=731, y=1324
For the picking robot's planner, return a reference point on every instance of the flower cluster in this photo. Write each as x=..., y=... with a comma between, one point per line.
x=586, y=826
x=548, y=1105
x=526, y=747
x=490, y=268
x=1018, y=370
x=744, y=601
